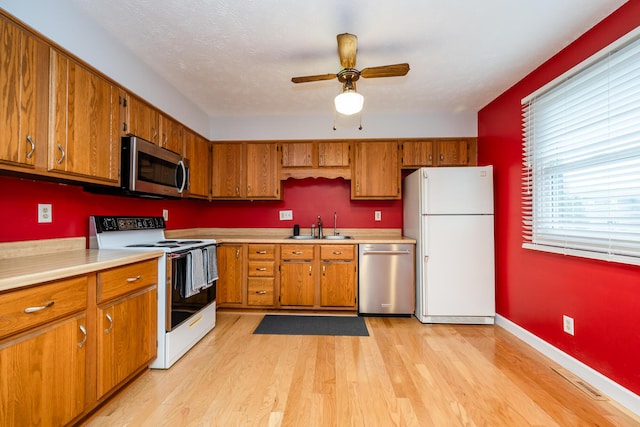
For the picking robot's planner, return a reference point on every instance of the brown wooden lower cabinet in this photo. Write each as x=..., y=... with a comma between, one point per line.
x=60, y=353
x=287, y=276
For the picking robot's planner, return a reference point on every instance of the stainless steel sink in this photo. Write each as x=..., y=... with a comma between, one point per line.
x=305, y=237
x=338, y=237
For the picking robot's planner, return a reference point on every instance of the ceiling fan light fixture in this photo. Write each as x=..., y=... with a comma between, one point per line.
x=349, y=102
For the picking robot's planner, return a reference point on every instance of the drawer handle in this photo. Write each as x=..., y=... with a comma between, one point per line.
x=110, y=323
x=261, y=268
x=84, y=338
x=134, y=279
x=296, y=252
x=40, y=308
x=261, y=252
x=261, y=292
x=337, y=252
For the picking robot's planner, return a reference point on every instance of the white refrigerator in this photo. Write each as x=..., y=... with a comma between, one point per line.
x=449, y=211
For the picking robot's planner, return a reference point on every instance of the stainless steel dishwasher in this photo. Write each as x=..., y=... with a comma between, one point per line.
x=387, y=279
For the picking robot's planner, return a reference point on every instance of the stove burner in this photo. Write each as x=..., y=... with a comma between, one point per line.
x=161, y=242
x=189, y=242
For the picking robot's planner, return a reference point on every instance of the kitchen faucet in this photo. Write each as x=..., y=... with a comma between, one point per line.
x=319, y=227
x=335, y=224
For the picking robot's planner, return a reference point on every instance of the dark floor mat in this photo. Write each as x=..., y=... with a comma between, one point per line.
x=312, y=325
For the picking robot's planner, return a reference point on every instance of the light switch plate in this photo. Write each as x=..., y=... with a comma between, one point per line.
x=378, y=215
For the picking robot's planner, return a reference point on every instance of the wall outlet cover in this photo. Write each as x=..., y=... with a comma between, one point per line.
x=286, y=215
x=44, y=213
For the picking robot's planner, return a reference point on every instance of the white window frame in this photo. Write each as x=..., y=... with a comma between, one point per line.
x=558, y=169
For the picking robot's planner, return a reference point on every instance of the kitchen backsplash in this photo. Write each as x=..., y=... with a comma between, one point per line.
x=71, y=207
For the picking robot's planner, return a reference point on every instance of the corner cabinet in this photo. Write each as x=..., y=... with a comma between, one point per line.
x=84, y=136
x=376, y=170
x=198, y=151
x=23, y=111
x=245, y=171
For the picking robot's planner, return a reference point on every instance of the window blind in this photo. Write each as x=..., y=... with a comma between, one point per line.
x=581, y=161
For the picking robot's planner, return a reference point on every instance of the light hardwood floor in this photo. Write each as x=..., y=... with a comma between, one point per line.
x=403, y=374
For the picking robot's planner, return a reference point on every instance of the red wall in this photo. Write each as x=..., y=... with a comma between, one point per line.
x=535, y=289
x=71, y=208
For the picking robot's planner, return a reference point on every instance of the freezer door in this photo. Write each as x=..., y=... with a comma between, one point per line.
x=458, y=273
x=457, y=191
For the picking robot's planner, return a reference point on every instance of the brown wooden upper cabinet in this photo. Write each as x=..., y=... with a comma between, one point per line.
x=143, y=120
x=171, y=134
x=376, y=170
x=84, y=113
x=197, y=151
x=439, y=152
x=245, y=171
x=303, y=159
x=23, y=110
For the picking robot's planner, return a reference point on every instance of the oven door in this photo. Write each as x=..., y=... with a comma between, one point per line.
x=179, y=308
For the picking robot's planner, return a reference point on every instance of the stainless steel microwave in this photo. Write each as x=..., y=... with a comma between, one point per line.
x=148, y=169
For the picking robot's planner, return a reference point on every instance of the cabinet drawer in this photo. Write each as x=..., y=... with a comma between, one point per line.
x=261, y=268
x=262, y=251
x=123, y=280
x=296, y=252
x=42, y=303
x=337, y=252
x=260, y=291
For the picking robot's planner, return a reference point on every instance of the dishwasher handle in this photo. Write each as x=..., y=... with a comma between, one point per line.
x=386, y=252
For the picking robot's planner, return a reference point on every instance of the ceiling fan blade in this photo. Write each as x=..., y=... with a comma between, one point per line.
x=306, y=79
x=385, y=71
x=347, y=47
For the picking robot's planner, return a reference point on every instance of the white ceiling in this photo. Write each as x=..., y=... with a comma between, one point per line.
x=237, y=57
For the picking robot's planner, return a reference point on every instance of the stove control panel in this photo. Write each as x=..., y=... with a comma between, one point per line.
x=122, y=223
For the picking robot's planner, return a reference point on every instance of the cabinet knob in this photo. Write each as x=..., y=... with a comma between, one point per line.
x=296, y=252
x=261, y=268
x=337, y=252
x=261, y=252
x=261, y=292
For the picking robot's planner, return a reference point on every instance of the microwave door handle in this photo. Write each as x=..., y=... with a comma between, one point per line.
x=185, y=178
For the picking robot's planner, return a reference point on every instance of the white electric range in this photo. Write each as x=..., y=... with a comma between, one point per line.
x=186, y=296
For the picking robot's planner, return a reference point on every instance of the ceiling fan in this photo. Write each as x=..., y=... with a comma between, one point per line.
x=349, y=101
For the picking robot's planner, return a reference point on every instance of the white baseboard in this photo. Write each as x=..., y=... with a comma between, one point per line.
x=613, y=390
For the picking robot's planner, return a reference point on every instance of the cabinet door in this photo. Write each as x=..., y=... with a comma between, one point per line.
x=417, y=153
x=297, y=154
x=230, y=268
x=227, y=169
x=43, y=375
x=197, y=150
x=376, y=171
x=263, y=181
x=143, y=120
x=171, y=134
x=297, y=283
x=333, y=154
x=84, y=114
x=338, y=284
x=23, y=74
x=454, y=153
x=126, y=338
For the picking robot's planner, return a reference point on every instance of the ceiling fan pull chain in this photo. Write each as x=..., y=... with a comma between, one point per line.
x=360, y=127
x=335, y=113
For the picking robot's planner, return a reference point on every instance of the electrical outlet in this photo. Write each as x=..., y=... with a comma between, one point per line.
x=286, y=215
x=165, y=214
x=44, y=213
x=377, y=215
x=567, y=324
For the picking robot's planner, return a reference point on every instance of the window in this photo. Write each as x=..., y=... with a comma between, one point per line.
x=581, y=158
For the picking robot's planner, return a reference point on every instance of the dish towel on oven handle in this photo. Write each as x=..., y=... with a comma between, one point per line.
x=196, y=275
x=210, y=264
